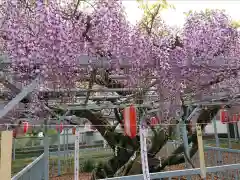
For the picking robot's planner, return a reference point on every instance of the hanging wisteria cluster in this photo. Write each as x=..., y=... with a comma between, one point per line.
x=49, y=40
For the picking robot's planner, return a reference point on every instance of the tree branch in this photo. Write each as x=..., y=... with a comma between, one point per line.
x=178, y=155
x=90, y=85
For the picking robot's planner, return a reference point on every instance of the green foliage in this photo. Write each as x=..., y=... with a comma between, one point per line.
x=151, y=19
x=188, y=13
x=150, y=7
x=236, y=23
x=88, y=165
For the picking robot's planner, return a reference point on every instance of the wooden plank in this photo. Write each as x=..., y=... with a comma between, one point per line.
x=201, y=152
x=6, y=155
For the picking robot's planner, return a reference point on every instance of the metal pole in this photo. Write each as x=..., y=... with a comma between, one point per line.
x=64, y=147
x=235, y=131
x=229, y=137
x=219, y=158
x=67, y=138
x=59, y=149
x=59, y=142
x=46, y=151
x=67, y=147
x=81, y=90
x=185, y=142
x=143, y=148
x=76, y=155
x=103, y=106
x=14, y=149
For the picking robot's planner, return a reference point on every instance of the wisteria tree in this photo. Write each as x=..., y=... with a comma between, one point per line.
x=199, y=61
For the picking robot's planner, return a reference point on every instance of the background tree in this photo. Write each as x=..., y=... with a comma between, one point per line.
x=47, y=40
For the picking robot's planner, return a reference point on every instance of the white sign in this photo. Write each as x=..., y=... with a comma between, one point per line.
x=76, y=155
x=144, y=157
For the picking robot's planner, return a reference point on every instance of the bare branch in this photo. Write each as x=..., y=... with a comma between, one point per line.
x=153, y=17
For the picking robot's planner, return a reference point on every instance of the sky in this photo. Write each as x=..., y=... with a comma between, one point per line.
x=176, y=17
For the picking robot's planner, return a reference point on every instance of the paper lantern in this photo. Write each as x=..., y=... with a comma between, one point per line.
x=154, y=121
x=74, y=130
x=130, y=121
x=223, y=116
x=59, y=127
x=25, y=127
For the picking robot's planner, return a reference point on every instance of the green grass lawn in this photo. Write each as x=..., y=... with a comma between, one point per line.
x=95, y=156
x=19, y=164
x=67, y=162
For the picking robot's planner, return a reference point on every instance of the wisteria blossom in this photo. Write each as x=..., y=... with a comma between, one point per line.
x=45, y=40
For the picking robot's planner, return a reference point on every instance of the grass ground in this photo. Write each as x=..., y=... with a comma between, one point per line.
x=67, y=162
x=96, y=156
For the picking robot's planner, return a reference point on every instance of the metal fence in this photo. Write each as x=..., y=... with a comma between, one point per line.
x=33, y=171
x=63, y=163
x=34, y=146
x=215, y=156
x=216, y=172
x=221, y=164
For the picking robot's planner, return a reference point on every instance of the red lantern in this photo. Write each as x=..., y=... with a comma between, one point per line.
x=154, y=121
x=130, y=121
x=74, y=130
x=223, y=116
x=59, y=128
x=25, y=127
x=234, y=118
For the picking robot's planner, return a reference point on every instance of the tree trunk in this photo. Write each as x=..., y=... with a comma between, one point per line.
x=130, y=166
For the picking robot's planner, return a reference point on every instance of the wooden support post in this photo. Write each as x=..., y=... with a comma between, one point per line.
x=46, y=151
x=76, y=155
x=219, y=157
x=201, y=152
x=6, y=155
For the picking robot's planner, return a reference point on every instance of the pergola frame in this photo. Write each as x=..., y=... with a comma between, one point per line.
x=80, y=93
x=24, y=93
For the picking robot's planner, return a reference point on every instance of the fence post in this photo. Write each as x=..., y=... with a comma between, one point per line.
x=186, y=148
x=59, y=149
x=235, y=131
x=219, y=158
x=64, y=146
x=201, y=152
x=46, y=151
x=76, y=155
x=14, y=149
x=229, y=137
x=67, y=138
x=185, y=138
